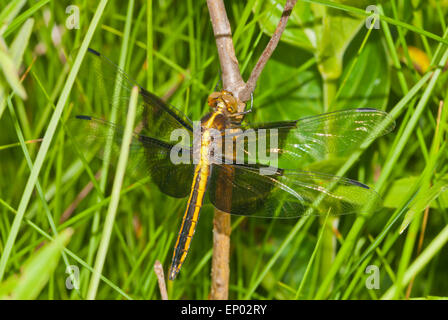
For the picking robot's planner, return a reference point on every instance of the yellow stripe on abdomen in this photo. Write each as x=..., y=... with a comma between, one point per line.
x=190, y=218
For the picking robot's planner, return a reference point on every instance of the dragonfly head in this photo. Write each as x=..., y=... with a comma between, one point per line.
x=223, y=101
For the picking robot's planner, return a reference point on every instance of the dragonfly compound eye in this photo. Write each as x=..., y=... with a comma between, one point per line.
x=213, y=99
x=230, y=101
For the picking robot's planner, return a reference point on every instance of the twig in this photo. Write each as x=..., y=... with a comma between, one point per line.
x=158, y=270
x=220, y=260
x=221, y=238
x=84, y=192
x=231, y=76
x=267, y=53
x=233, y=82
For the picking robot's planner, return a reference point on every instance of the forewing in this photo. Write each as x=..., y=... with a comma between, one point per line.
x=112, y=86
x=298, y=143
x=147, y=156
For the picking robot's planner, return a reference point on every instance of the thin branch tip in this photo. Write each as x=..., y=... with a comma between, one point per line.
x=267, y=53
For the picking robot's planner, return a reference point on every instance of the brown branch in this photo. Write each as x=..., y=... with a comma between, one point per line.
x=244, y=95
x=233, y=82
x=84, y=192
x=158, y=270
x=231, y=76
x=220, y=260
x=221, y=237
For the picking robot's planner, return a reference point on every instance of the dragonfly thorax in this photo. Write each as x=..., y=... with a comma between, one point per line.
x=223, y=101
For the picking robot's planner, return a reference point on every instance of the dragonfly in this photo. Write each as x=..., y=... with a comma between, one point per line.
x=244, y=186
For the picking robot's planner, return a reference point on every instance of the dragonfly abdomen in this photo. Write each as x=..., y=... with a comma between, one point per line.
x=190, y=218
x=215, y=120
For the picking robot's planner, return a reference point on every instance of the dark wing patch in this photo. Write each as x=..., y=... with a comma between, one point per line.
x=147, y=156
x=155, y=118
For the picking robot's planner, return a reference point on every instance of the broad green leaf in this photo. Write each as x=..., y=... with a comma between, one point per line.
x=36, y=271
x=400, y=188
x=284, y=91
x=397, y=192
x=338, y=30
x=299, y=31
x=325, y=31
x=368, y=83
x=423, y=200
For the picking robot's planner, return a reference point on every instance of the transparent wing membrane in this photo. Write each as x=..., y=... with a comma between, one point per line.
x=147, y=156
x=155, y=118
x=243, y=191
x=316, y=138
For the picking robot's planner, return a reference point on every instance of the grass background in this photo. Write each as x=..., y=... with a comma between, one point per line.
x=327, y=60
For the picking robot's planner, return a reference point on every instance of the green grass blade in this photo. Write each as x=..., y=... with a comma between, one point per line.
x=115, y=197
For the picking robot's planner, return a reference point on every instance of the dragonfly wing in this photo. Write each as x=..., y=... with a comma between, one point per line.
x=113, y=86
x=314, y=138
x=242, y=190
x=146, y=155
